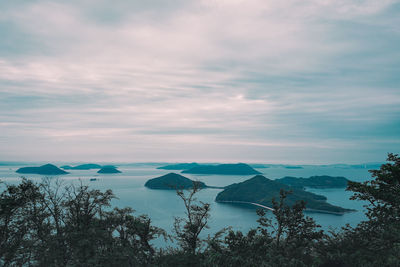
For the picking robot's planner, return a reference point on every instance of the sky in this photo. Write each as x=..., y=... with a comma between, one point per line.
x=271, y=81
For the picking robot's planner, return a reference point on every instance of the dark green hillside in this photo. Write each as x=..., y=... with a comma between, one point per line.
x=48, y=169
x=261, y=190
x=172, y=181
x=229, y=169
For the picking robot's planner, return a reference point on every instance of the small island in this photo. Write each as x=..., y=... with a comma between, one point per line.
x=224, y=169
x=88, y=166
x=258, y=166
x=48, y=169
x=260, y=190
x=323, y=181
x=179, y=166
x=172, y=181
x=294, y=167
x=109, y=169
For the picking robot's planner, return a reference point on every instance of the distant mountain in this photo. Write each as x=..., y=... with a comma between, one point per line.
x=109, y=169
x=48, y=169
x=231, y=169
x=179, y=166
x=172, y=181
x=314, y=181
x=261, y=190
x=82, y=167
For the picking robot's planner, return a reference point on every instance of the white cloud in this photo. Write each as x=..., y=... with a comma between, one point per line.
x=246, y=73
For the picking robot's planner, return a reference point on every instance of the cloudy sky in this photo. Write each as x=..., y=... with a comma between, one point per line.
x=310, y=81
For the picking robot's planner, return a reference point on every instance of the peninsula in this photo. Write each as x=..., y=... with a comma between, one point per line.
x=260, y=190
x=172, y=181
x=48, y=169
x=225, y=169
x=323, y=181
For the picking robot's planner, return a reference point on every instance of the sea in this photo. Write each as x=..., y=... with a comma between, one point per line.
x=162, y=206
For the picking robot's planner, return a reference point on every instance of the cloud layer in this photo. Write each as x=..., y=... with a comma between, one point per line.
x=267, y=81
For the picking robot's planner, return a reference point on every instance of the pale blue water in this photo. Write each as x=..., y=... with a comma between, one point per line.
x=162, y=205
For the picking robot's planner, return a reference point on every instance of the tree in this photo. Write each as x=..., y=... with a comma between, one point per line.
x=188, y=229
x=18, y=215
x=48, y=225
x=377, y=240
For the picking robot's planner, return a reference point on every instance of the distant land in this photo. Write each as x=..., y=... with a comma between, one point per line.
x=179, y=166
x=228, y=169
x=48, y=169
x=172, y=181
x=314, y=181
x=82, y=167
x=258, y=166
x=109, y=169
x=294, y=167
x=261, y=190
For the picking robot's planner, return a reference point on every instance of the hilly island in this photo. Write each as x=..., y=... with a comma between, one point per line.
x=172, y=181
x=88, y=166
x=48, y=169
x=225, y=169
x=109, y=169
x=261, y=190
x=179, y=166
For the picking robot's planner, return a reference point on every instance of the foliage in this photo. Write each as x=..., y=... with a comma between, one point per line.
x=47, y=225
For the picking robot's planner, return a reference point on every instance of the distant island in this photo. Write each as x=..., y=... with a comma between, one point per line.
x=225, y=169
x=260, y=190
x=82, y=167
x=172, y=181
x=258, y=166
x=179, y=166
x=294, y=167
x=323, y=181
x=109, y=169
x=48, y=169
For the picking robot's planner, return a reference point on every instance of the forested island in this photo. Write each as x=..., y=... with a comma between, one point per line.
x=224, y=169
x=173, y=181
x=179, y=166
x=109, y=169
x=323, y=181
x=88, y=166
x=47, y=169
x=261, y=190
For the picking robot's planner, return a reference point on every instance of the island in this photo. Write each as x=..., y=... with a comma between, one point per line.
x=225, y=169
x=258, y=166
x=323, y=181
x=172, y=181
x=293, y=167
x=82, y=167
x=48, y=169
x=179, y=166
x=109, y=169
x=260, y=190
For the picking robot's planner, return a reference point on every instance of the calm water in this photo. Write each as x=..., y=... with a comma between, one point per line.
x=163, y=205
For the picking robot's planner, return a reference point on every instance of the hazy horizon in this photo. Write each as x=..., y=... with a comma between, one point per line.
x=257, y=81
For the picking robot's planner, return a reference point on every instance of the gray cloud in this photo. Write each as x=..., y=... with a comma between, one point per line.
x=200, y=80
